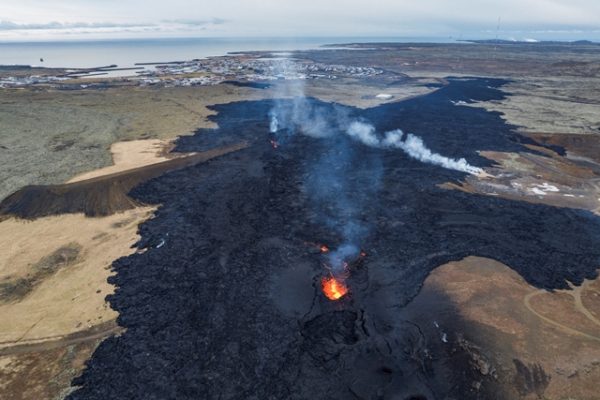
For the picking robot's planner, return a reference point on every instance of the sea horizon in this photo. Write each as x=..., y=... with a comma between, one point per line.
x=126, y=52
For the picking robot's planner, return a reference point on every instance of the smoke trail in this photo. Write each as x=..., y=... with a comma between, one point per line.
x=364, y=133
x=289, y=103
x=337, y=259
x=337, y=198
x=412, y=145
x=274, y=124
x=299, y=115
x=334, y=195
x=340, y=186
x=293, y=112
x=415, y=148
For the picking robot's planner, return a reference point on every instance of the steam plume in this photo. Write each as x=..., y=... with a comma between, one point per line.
x=337, y=259
x=333, y=193
x=274, y=124
x=412, y=145
x=415, y=148
x=364, y=133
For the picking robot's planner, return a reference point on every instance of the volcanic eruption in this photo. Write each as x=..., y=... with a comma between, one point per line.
x=334, y=289
x=338, y=199
x=269, y=330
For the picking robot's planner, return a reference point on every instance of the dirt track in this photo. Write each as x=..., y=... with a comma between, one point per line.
x=576, y=294
x=46, y=343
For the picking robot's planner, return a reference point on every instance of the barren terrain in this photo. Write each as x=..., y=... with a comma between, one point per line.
x=473, y=286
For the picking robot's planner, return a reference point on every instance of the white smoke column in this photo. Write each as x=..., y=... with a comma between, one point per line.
x=293, y=112
x=281, y=115
x=274, y=124
x=393, y=138
x=415, y=148
x=412, y=145
x=364, y=133
x=290, y=102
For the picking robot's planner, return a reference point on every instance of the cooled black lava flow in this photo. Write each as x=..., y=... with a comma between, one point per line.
x=225, y=308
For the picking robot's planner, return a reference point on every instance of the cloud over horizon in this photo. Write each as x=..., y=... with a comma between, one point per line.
x=42, y=19
x=9, y=25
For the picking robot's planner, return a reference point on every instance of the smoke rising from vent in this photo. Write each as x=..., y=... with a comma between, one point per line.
x=301, y=116
x=339, y=200
x=337, y=258
x=274, y=125
x=293, y=112
x=412, y=145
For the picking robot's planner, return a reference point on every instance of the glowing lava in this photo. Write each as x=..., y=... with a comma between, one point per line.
x=333, y=288
x=323, y=248
x=274, y=143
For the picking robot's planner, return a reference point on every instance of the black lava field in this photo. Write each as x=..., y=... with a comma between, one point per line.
x=225, y=303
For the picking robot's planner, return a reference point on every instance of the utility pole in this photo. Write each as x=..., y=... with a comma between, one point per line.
x=496, y=40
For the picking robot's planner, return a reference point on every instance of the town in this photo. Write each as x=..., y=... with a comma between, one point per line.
x=198, y=72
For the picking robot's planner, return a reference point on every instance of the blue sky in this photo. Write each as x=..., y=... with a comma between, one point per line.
x=91, y=19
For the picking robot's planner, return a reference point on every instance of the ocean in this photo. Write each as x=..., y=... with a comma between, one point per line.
x=125, y=53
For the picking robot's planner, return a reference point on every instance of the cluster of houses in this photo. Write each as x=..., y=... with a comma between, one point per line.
x=22, y=81
x=211, y=71
x=216, y=70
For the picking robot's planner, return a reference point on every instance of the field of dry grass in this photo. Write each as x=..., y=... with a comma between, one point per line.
x=507, y=322
x=51, y=136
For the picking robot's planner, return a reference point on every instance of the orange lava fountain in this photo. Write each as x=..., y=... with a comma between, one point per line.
x=333, y=288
